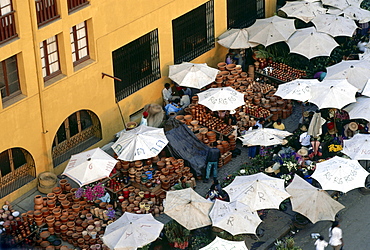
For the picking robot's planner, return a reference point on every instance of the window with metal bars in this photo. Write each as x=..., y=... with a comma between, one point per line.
x=243, y=13
x=193, y=33
x=49, y=58
x=137, y=64
x=79, y=43
x=78, y=132
x=9, y=81
x=17, y=168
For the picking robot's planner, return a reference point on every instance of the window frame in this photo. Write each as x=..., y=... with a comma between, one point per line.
x=75, y=44
x=6, y=81
x=46, y=57
x=137, y=71
x=181, y=24
x=235, y=7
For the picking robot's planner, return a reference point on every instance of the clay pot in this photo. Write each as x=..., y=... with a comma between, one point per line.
x=44, y=235
x=65, y=204
x=38, y=200
x=67, y=187
x=76, y=208
x=51, y=203
x=45, y=243
x=57, y=190
x=38, y=206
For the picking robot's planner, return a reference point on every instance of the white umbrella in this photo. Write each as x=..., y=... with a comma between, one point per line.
x=334, y=25
x=333, y=94
x=310, y=43
x=221, y=244
x=140, y=143
x=234, y=217
x=360, y=109
x=192, y=75
x=89, y=166
x=258, y=191
x=366, y=90
x=356, y=13
x=236, y=39
x=225, y=98
x=340, y=174
x=188, y=208
x=131, y=231
x=315, y=204
x=303, y=10
x=299, y=89
x=365, y=55
x=264, y=137
x=271, y=30
x=358, y=147
x=342, y=4
x=357, y=72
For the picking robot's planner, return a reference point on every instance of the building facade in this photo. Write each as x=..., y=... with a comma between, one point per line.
x=73, y=72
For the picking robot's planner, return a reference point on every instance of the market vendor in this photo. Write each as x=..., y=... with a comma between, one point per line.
x=278, y=124
x=182, y=184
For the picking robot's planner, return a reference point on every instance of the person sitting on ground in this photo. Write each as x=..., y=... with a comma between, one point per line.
x=173, y=106
x=144, y=120
x=278, y=125
x=182, y=184
x=184, y=99
x=212, y=193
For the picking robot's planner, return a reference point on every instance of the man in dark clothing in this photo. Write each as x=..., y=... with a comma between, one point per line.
x=212, y=161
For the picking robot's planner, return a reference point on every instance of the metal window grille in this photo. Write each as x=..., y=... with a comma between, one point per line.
x=260, y=8
x=19, y=175
x=243, y=13
x=193, y=33
x=137, y=64
x=87, y=135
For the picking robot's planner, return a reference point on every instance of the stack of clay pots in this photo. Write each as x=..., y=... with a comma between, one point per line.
x=67, y=217
x=200, y=117
x=19, y=227
x=232, y=142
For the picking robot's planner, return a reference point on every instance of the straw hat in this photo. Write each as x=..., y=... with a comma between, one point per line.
x=284, y=142
x=270, y=170
x=303, y=152
x=232, y=112
x=353, y=126
x=306, y=114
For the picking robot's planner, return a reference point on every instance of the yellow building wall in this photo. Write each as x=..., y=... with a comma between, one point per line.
x=32, y=122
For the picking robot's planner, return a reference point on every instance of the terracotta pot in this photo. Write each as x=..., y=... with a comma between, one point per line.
x=57, y=190
x=62, y=197
x=51, y=203
x=70, y=224
x=65, y=204
x=38, y=200
x=37, y=214
x=67, y=187
x=76, y=208
x=45, y=244
x=38, y=206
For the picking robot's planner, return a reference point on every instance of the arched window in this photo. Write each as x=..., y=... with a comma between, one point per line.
x=78, y=132
x=17, y=168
